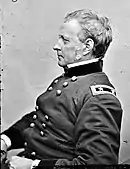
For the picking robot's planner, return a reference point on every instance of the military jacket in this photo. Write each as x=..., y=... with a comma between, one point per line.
x=76, y=122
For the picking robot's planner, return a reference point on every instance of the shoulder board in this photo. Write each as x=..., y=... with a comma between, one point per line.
x=102, y=89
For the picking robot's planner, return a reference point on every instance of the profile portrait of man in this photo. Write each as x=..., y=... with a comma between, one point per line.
x=77, y=120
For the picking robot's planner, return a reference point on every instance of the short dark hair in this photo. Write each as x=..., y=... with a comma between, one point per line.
x=95, y=27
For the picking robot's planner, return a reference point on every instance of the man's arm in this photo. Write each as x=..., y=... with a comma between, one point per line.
x=14, y=133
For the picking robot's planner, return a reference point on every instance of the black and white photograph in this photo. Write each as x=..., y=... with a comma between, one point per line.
x=64, y=83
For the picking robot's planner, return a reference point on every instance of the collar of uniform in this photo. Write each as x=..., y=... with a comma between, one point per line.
x=84, y=67
x=86, y=62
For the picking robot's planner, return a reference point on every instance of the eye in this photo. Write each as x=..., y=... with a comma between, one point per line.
x=65, y=40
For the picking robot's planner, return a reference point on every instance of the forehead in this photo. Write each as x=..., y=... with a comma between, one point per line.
x=71, y=28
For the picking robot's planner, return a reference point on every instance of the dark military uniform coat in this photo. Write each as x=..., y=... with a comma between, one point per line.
x=76, y=122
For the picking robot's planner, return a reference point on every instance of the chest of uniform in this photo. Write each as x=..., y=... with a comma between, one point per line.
x=59, y=93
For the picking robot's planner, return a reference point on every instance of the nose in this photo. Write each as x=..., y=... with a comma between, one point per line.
x=56, y=47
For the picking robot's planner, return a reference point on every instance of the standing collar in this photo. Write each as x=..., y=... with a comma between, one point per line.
x=84, y=67
x=82, y=63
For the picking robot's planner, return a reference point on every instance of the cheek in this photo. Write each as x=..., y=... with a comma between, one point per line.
x=69, y=52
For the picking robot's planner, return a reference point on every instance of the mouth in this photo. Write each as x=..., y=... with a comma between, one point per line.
x=59, y=56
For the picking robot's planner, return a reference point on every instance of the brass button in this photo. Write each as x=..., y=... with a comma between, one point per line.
x=25, y=144
x=74, y=78
x=46, y=117
x=56, y=81
x=32, y=125
x=44, y=125
x=34, y=116
x=42, y=133
x=50, y=88
x=33, y=153
x=36, y=108
x=65, y=84
x=58, y=92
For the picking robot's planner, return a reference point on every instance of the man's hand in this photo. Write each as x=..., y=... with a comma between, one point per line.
x=20, y=163
x=3, y=151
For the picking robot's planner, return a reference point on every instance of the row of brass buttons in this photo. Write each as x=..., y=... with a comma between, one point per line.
x=65, y=84
x=43, y=124
x=33, y=125
x=58, y=92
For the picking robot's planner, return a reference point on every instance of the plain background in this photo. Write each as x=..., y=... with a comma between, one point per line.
x=30, y=30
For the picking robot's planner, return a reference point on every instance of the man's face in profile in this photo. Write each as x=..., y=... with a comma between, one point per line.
x=68, y=43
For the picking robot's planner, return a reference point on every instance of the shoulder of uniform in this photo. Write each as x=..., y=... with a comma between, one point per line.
x=102, y=89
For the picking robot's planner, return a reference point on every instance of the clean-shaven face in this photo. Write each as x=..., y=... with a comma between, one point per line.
x=68, y=43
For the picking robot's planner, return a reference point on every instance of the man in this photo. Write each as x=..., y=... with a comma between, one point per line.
x=77, y=120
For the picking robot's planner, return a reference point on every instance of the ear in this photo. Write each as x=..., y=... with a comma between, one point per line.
x=88, y=46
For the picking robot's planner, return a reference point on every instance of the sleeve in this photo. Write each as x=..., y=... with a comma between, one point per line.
x=15, y=131
x=97, y=133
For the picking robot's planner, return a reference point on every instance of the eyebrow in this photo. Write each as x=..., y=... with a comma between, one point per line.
x=64, y=37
